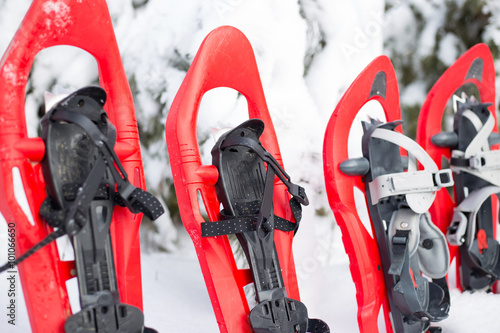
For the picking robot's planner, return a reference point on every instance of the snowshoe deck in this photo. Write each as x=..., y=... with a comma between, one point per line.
x=90, y=29
x=386, y=267
x=469, y=216
x=240, y=182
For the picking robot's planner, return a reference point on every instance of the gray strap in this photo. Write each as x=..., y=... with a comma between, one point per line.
x=423, y=238
x=419, y=187
x=462, y=226
x=433, y=252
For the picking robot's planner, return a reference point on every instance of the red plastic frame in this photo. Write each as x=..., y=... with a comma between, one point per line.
x=430, y=119
x=362, y=249
x=225, y=59
x=86, y=25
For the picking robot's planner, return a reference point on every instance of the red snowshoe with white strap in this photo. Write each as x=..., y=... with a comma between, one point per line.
x=394, y=242
x=469, y=146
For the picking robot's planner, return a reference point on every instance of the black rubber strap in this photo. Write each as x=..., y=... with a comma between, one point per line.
x=52, y=236
x=297, y=215
x=142, y=202
x=265, y=218
x=238, y=225
x=460, y=162
x=136, y=199
x=295, y=190
x=234, y=225
x=54, y=217
x=399, y=248
x=82, y=121
x=71, y=221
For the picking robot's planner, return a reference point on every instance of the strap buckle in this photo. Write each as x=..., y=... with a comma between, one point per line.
x=443, y=178
x=457, y=229
x=485, y=160
x=299, y=193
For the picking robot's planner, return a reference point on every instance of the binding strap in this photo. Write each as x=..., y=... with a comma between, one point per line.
x=264, y=221
x=234, y=225
x=296, y=191
x=419, y=187
x=135, y=199
x=413, y=294
x=478, y=159
x=465, y=214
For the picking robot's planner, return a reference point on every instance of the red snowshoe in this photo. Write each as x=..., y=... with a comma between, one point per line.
x=396, y=242
x=242, y=180
x=85, y=25
x=469, y=217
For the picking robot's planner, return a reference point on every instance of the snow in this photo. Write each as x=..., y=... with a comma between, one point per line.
x=448, y=49
x=308, y=52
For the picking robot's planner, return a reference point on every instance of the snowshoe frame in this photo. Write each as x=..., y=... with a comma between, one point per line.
x=474, y=67
x=381, y=266
x=377, y=82
x=89, y=29
x=210, y=69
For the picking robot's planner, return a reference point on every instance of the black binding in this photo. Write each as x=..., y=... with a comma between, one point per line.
x=245, y=189
x=85, y=179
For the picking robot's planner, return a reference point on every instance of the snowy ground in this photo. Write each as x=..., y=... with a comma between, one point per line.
x=175, y=297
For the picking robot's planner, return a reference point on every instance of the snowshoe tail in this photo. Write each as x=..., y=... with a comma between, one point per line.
x=470, y=148
x=47, y=303
x=386, y=260
x=237, y=173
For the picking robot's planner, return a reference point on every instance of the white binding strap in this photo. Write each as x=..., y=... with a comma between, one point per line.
x=419, y=187
x=480, y=141
x=470, y=205
x=483, y=163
